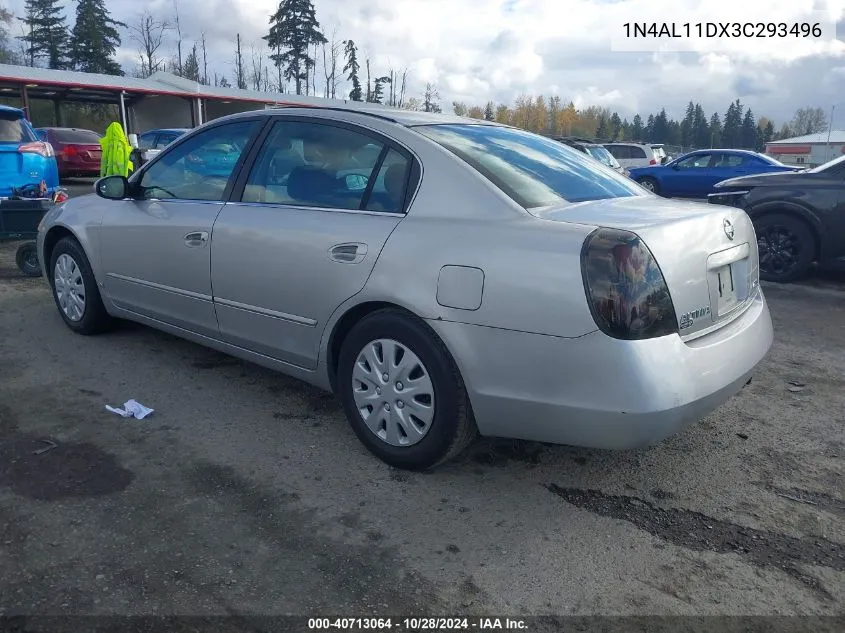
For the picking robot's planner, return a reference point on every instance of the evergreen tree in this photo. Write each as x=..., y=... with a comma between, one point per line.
x=648, y=131
x=637, y=128
x=732, y=127
x=95, y=39
x=489, y=112
x=765, y=134
x=352, y=67
x=615, y=126
x=602, y=130
x=294, y=28
x=660, y=128
x=46, y=37
x=749, y=130
x=378, y=90
x=700, y=128
x=715, y=130
x=687, y=126
x=191, y=67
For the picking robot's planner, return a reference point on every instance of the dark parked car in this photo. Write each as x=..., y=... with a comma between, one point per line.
x=78, y=151
x=694, y=175
x=799, y=217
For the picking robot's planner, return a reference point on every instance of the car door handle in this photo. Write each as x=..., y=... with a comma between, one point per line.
x=350, y=253
x=197, y=238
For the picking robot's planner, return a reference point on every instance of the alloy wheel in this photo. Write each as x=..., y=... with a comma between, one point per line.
x=779, y=250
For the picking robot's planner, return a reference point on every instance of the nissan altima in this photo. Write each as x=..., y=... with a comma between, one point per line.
x=444, y=278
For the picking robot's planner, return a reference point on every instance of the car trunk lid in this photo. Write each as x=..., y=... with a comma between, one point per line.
x=707, y=254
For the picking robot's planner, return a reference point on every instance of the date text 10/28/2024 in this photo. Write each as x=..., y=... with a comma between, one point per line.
x=418, y=624
x=669, y=30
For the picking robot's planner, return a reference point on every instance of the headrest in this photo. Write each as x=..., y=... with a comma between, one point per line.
x=394, y=179
x=310, y=184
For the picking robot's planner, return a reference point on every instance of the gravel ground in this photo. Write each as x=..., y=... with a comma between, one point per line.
x=247, y=493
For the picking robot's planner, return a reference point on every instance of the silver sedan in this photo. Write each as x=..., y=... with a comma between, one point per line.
x=443, y=276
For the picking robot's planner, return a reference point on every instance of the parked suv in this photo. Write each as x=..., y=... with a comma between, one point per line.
x=632, y=155
x=25, y=160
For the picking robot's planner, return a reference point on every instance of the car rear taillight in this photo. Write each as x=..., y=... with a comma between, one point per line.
x=39, y=147
x=70, y=150
x=628, y=296
x=652, y=162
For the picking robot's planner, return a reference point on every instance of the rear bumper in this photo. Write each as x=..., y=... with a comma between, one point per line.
x=600, y=392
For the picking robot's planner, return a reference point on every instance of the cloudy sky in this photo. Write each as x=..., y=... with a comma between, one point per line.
x=478, y=50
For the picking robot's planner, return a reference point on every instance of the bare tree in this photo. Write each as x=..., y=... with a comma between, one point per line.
x=178, y=40
x=257, y=72
x=431, y=98
x=402, y=90
x=331, y=56
x=240, y=71
x=204, y=61
x=149, y=32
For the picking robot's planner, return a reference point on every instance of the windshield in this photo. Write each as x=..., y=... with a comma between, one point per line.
x=532, y=170
x=82, y=137
x=13, y=129
x=828, y=165
x=602, y=155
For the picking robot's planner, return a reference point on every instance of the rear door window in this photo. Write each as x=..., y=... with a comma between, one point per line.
x=14, y=129
x=619, y=151
x=637, y=152
x=728, y=160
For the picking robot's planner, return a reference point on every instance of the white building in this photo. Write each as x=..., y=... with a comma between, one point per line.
x=810, y=150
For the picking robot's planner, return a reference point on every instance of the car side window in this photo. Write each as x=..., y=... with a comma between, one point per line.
x=200, y=167
x=697, y=161
x=728, y=160
x=391, y=183
x=164, y=140
x=619, y=151
x=314, y=165
x=146, y=141
x=637, y=152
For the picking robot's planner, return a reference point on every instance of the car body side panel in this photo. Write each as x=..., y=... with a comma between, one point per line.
x=295, y=284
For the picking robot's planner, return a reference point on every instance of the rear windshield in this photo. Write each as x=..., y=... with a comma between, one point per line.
x=532, y=170
x=14, y=129
x=84, y=137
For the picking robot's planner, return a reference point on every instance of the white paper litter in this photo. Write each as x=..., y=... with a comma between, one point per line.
x=131, y=408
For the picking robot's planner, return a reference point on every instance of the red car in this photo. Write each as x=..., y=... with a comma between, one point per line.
x=78, y=151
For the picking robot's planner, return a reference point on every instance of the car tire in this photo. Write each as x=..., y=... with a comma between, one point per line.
x=71, y=278
x=786, y=246
x=26, y=258
x=450, y=426
x=650, y=184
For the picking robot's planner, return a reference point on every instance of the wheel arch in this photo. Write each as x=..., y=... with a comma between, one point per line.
x=51, y=238
x=344, y=324
x=794, y=211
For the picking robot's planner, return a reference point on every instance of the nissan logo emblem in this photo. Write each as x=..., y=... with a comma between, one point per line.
x=729, y=228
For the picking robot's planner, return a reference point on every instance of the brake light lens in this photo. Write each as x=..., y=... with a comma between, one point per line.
x=39, y=147
x=626, y=290
x=652, y=162
x=70, y=150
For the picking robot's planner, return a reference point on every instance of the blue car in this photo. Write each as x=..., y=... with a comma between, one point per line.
x=27, y=164
x=695, y=175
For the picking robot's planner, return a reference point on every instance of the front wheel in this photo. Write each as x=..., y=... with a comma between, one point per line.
x=75, y=289
x=27, y=260
x=650, y=184
x=402, y=392
x=786, y=246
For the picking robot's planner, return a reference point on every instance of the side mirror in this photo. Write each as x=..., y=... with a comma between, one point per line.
x=133, y=141
x=112, y=187
x=356, y=182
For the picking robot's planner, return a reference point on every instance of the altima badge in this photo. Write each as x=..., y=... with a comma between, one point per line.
x=729, y=228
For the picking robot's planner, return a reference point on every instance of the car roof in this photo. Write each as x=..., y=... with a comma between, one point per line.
x=75, y=129
x=629, y=143
x=406, y=118
x=168, y=129
x=743, y=152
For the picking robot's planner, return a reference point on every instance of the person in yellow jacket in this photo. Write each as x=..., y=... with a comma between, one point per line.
x=116, y=150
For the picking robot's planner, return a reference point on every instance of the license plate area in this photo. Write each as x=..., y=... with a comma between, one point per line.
x=726, y=289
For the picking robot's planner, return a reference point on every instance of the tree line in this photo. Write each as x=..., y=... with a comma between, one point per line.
x=737, y=128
